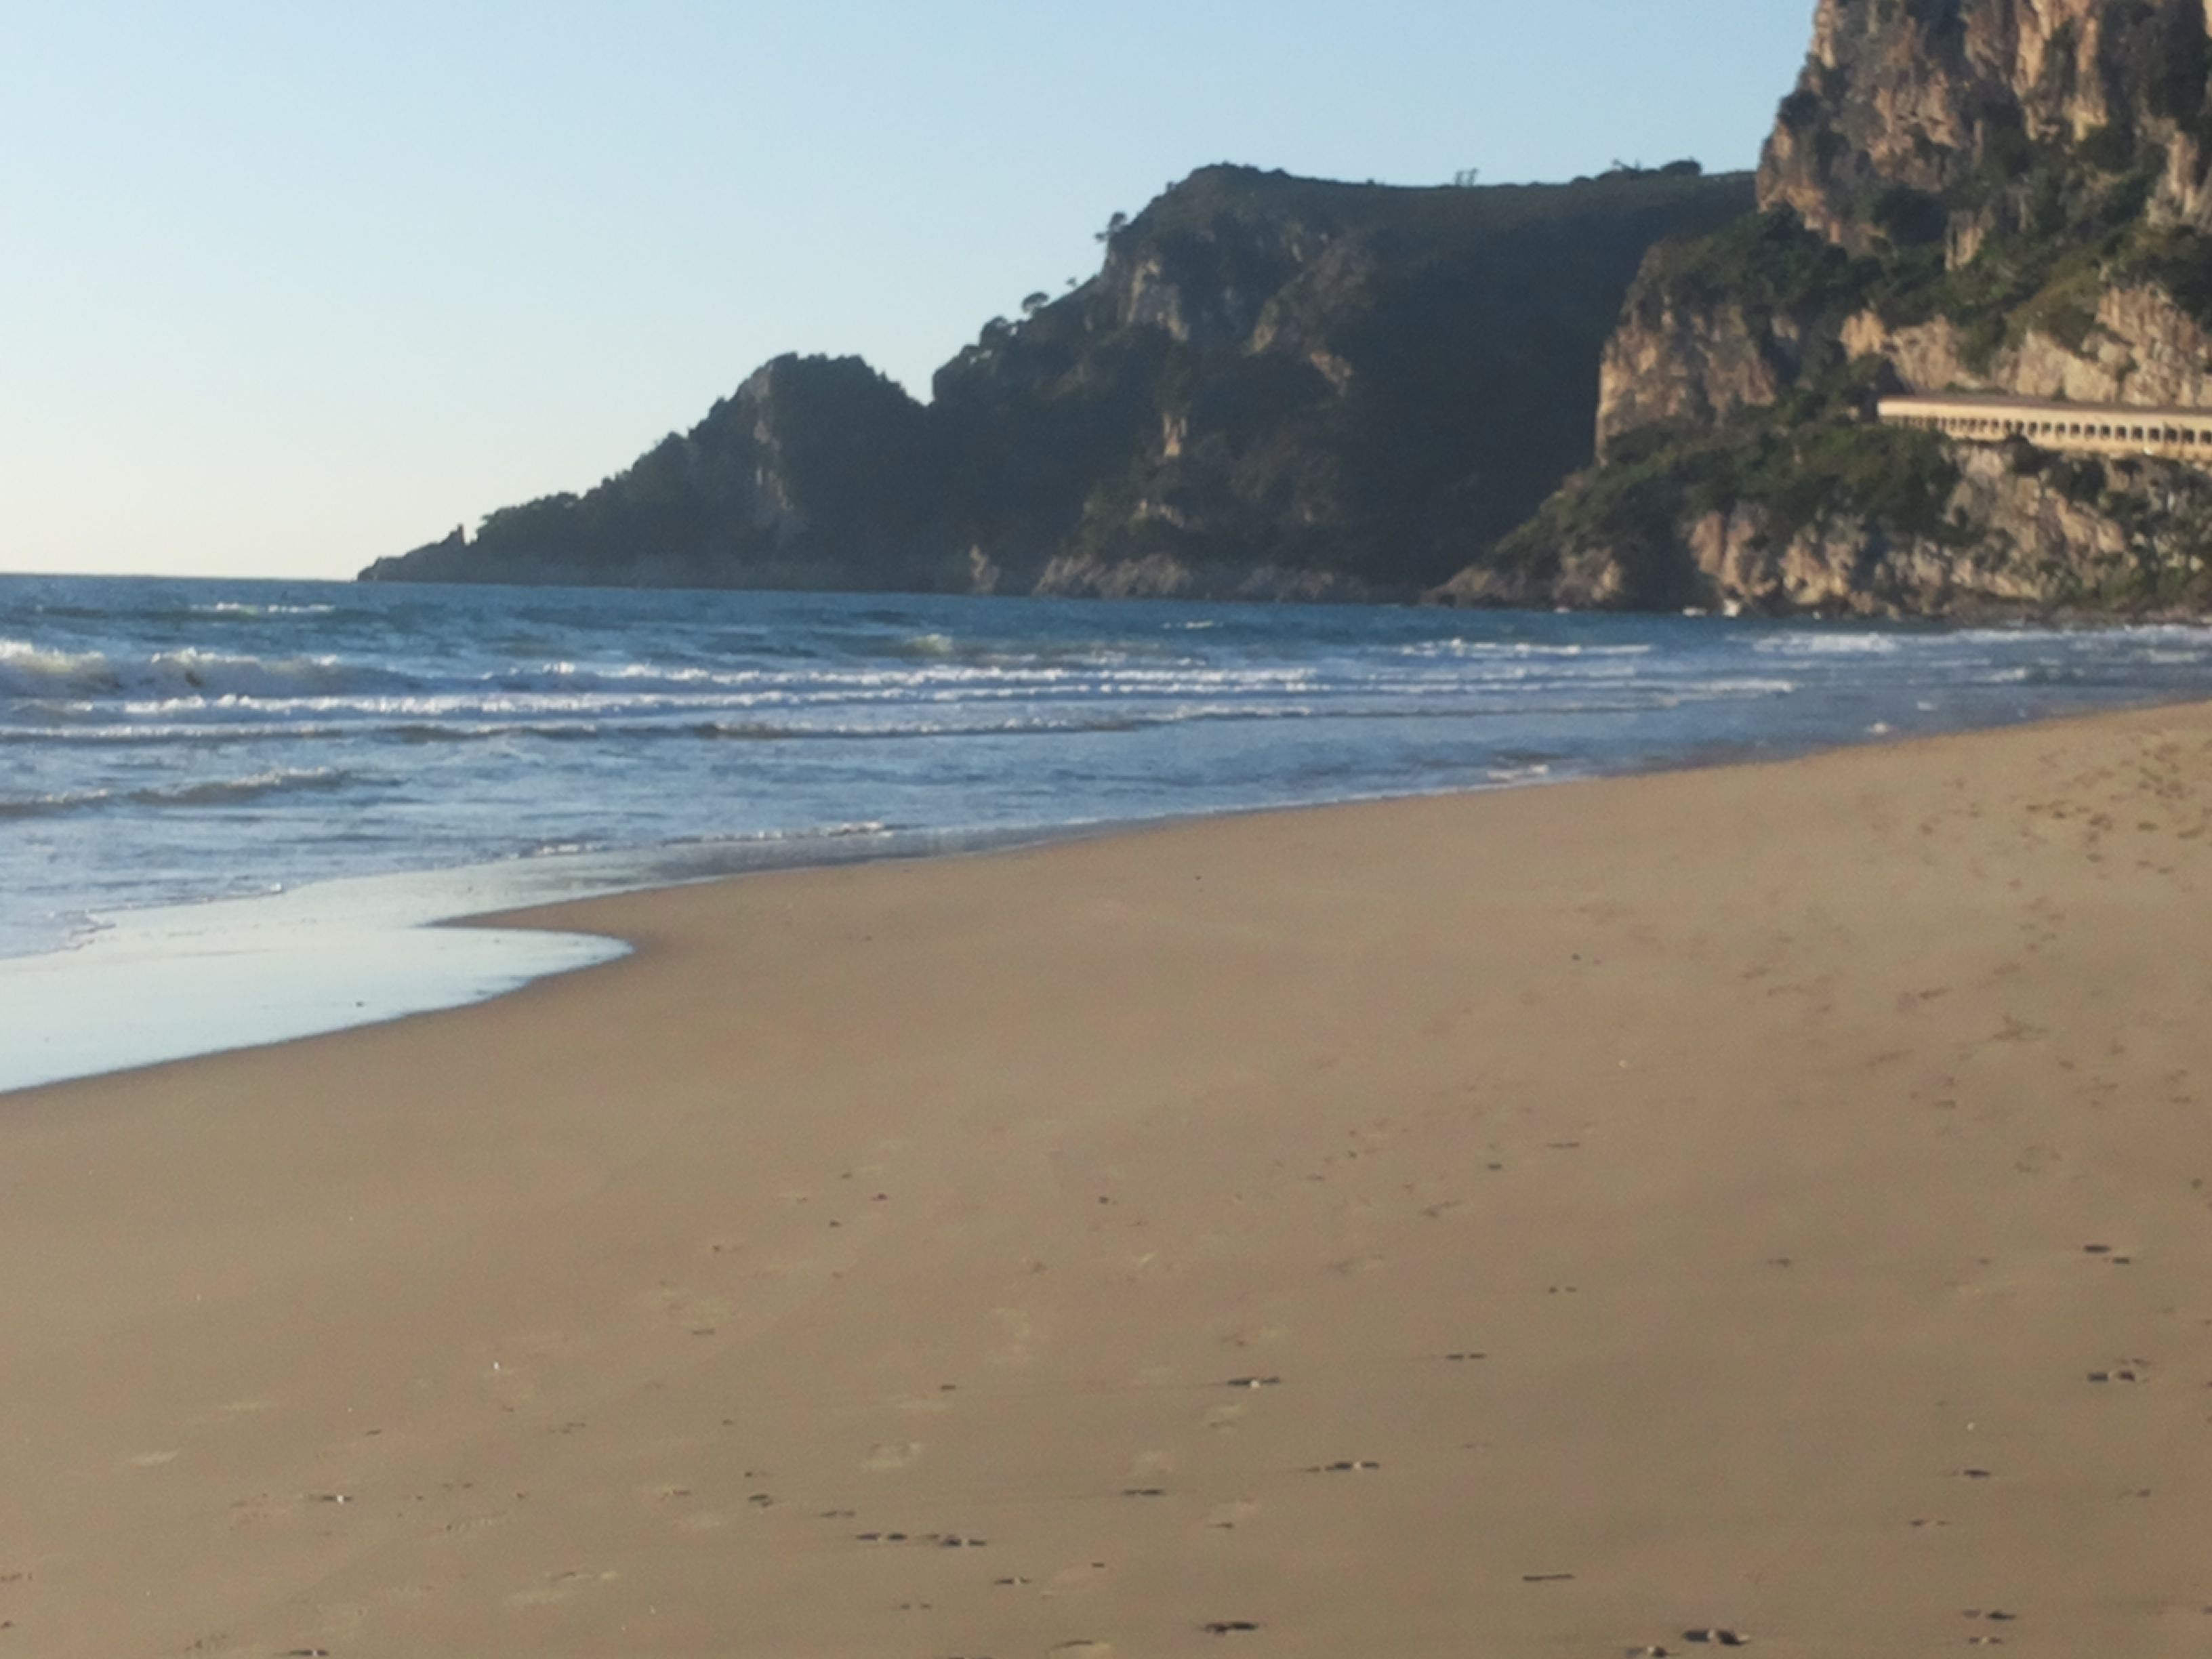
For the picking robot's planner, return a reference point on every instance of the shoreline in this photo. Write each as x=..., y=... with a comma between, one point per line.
x=221, y=975
x=1548, y=1219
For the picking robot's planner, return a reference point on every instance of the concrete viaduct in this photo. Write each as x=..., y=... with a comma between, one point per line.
x=2183, y=434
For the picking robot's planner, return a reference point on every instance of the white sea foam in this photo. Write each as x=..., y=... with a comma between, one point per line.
x=234, y=608
x=1807, y=643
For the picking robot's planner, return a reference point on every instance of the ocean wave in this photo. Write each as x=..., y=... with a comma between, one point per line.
x=34, y=673
x=848, y=708
x=211, y=792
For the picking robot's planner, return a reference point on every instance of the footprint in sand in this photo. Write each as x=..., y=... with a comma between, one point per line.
x=1726, y=1638
x=1227, y=1517
x=153, y=1460
x=2135, y=1371
x=559, y=1587
x=1082, y=1576
x=888, y=1457
x=702, y=1316
x=1349, y=1466
x=1229, y=1627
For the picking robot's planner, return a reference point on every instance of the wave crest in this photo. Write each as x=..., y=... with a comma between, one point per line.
x=213, y=792
x=39, y=673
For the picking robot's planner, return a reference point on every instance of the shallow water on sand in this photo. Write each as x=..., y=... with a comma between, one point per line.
x=168, y=744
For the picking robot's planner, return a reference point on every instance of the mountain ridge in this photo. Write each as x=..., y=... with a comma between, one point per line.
x=1274, y=387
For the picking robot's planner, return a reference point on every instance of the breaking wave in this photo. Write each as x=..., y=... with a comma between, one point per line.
x=31, y=672
x=213, y=792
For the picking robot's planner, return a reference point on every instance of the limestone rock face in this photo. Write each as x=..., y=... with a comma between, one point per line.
x=2040, y=550
x=2143, y=349
x=2081, y=537
x=2038, y=547
x=1929, y=99
x=1675, y=363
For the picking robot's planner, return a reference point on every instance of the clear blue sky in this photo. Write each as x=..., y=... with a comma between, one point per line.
x=287, y=284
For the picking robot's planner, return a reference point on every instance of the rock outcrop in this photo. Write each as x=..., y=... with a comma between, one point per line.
x=1920, y=121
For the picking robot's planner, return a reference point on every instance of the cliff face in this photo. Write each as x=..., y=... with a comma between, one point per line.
x=1275, y=387
x=1278, y=387
x=1989, y=194
x=1915, y=119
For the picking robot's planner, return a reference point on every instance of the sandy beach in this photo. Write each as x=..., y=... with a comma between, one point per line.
x=1770, y=1200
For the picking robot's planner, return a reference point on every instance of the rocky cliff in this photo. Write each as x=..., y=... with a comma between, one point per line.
x=1989, y=194
x=1275, y=387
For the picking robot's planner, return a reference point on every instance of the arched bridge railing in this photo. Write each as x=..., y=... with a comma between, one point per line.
x=2092, y=428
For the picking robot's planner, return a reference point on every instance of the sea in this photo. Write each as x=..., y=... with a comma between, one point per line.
x=230, y=810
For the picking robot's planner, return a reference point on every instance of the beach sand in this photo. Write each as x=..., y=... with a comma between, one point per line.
x=1771, y=1199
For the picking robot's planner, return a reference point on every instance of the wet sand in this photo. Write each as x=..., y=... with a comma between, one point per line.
x=1769, y=1201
